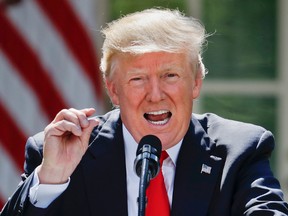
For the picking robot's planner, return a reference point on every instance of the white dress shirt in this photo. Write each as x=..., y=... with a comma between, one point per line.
x=42, y=195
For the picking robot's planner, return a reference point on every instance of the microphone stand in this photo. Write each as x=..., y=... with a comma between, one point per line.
x=144, y=181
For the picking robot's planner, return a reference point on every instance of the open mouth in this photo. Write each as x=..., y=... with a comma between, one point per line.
x=160, y=117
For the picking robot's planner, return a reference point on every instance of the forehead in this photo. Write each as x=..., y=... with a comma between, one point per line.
x=159, y=60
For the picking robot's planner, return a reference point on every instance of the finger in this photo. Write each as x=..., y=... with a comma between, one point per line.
x=83, y=115
x=68, y=115
x=61, y=127
x=93, y=122
x=79, y=116
x=88, y=111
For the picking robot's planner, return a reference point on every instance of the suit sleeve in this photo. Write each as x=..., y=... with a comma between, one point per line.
x=257, y=190
x=18, y=203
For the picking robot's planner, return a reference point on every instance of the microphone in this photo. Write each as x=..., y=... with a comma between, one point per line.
x=149, y=148
x=146, y=166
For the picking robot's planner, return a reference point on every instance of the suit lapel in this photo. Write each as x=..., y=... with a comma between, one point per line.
x=104, y=171
x=197, y=172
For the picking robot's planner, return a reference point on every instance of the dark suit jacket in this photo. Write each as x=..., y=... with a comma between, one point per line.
x=240, y=181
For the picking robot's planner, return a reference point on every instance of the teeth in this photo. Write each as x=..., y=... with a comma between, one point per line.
x=159, y=122
x=160, y=112
x=155, y=113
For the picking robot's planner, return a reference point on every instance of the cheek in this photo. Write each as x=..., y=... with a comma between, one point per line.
x=191, y=89
x=130, y=98
x=185, y=91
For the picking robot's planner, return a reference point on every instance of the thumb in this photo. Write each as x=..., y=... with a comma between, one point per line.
x=93, y=122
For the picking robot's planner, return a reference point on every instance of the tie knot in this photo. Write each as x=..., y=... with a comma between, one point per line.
x=163, y=156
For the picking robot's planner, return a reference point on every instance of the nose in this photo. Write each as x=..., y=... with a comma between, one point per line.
x=155, y=92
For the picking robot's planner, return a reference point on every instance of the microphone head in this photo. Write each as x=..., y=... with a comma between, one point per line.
x=150, y=148
x=151, y=140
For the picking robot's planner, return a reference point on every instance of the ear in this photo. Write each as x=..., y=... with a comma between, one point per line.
x=112, y=91
x=197, y=85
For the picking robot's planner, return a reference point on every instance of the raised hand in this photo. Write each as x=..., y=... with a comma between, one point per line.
x=65, y=142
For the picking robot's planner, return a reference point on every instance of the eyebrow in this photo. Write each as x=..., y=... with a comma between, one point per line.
x=163, y=67
x=171, y=67
x=135, y=71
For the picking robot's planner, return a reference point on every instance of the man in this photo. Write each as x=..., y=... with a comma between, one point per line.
x=153, y=71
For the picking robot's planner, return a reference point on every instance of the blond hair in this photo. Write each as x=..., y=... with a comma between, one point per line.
x=153, y=30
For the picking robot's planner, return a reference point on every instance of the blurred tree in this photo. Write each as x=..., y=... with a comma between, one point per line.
x=122, y=7
x=245, y=35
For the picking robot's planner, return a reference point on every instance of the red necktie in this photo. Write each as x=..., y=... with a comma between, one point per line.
x=157, y=198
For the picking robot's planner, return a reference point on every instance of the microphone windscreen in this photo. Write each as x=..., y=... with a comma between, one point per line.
x=152, y=140
x=149, y=148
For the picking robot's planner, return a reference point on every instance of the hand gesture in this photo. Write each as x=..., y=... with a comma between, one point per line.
x=65, y=142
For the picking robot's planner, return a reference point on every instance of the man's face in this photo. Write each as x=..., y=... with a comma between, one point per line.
x=155, y=92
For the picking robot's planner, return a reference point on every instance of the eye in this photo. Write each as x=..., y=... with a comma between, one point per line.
x=171, y=76
x=136, y=79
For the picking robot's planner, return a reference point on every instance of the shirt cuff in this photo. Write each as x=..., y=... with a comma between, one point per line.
x=42, y=195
